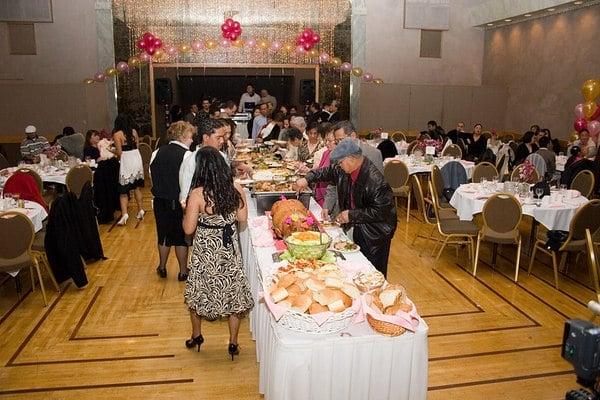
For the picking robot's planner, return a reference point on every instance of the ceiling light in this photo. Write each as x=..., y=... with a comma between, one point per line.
x=578, y=2
x=490, y=24
x=552, y=9
x=528, y=15
x=507, y=20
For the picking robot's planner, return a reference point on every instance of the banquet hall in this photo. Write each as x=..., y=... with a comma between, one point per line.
x=393, y=199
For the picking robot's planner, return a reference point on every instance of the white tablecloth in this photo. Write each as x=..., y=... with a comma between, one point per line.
x=418, y=165
x=35, y=212
x=469, y=200
x=363, y=366
x=50, y=174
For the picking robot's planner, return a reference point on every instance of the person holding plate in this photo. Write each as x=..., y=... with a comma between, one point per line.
x=365, y=199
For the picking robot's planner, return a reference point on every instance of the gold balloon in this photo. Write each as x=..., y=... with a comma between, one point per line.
x=263, y=44
x=288, y=47
x=591, y=89
x=574, y=137
x=378, y=81
x=313, y=53
x=357, y=71
x=589, y=109
x=110, y=71
x=210, y=44
x=133, y=61
x=238, y=43
x=88, y=81
x=184, y=48
x=336, y=61
x=158, y=54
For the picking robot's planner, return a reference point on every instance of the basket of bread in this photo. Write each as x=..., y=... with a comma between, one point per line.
x=311, y=296
x=389, y=311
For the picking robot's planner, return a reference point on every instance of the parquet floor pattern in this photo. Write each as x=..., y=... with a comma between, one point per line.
x=122, y=336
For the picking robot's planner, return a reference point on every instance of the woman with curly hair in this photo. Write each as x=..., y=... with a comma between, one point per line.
x=217, y=286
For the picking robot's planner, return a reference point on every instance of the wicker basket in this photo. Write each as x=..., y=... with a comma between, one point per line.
x=305, y=323
x=385, y=328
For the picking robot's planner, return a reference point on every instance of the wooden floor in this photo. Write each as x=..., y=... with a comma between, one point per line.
x=123, y=336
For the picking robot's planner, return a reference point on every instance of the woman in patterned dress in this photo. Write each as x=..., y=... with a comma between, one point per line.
x=217, y=286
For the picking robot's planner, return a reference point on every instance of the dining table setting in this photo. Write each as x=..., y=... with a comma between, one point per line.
x=418, y=164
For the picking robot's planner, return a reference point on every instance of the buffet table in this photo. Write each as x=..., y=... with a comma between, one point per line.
x=357, y=363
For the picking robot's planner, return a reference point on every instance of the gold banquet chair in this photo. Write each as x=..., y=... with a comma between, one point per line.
x=77, y=177
x=146, y=153
x=438, y=186
x=16, y=238
x=593, y=262
x=501, y=216
x=584, y=182
x=587, y=217
x=453, y=151
x=396, y=175
x=454, y=231
x=398, y=136
x=484, y=170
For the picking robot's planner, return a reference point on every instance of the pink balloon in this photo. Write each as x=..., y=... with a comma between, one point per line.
x=300, y=50
x=197, y=45
x=251, y=43
x=276, y=46
x=122, y=66
x=579, y=114
x=324, y=58
x=145, y=57
x=171, y=50
x=225, y=43
x=99, y=77
x=368, y=77
x=346, y=67
x=580, y=124
x=229, y=22
x=594, y=128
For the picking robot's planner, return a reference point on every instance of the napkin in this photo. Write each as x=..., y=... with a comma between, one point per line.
x=409, y=321
x=263, y=239
x=351, y=268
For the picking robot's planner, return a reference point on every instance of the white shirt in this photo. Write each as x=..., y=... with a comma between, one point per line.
x=318, y=156
x=186, y=173
x=246, y=98
x=267, y=130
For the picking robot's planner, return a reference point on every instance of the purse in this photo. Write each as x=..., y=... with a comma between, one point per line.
x=556, y=239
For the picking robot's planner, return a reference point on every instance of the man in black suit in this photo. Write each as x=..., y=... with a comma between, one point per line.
x=330, y=112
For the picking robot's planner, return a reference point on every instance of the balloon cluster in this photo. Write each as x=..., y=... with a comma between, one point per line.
x=149, y=43
x=587, y=114
x=231, y=29
x=308, y=39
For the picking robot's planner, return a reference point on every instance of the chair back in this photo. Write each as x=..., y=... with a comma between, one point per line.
x=484, y=170
x=514, y=177
x=420, y=197
x=425, y=136
x=146, y=153
x=147, y=139
x=34, y=175
x=438, y=180
x=502, y=213
x=435, y=202
x=16, y=234
x=398, y=136
x=3, y=162
x=77, y=177
x=593, y=261
x=395, y=173
x=539, y=163
x=411, y=147
x=486, y=134
x=587, y=217
x=62, y=156
x=513, y=145
x=453, y=150
x=584, y=182
x=453, y=174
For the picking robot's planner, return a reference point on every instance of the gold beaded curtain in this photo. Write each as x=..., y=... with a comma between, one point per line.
x=179, y=22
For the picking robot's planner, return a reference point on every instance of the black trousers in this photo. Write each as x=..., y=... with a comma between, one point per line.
x=376, y=251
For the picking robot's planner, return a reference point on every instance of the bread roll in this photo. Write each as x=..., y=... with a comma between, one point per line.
x=286, y=280
x=285, y=303
x=377, y=305
x=388, y=296
x=336, y=306
x=405, y=307
x=279, y=294
x=339, y=295
x=301, y=303
x=324, y=297
x=316, y=308
x=333, y=283
x=351, y=290
x=314, y=284
x=294, y=290
x=303, y=275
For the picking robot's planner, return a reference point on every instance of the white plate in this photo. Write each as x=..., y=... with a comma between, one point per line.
x=345, y=251
x=244, y=150
x=245, y=181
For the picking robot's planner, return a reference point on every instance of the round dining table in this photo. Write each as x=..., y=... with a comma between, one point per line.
x=32, y=210
x=418, y=165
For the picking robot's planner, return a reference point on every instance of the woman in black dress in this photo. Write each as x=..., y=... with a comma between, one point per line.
x=168, y=213
x=478, y=145
x=525, y=148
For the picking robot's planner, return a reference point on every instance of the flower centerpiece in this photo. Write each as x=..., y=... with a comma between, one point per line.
x=526, y=172
x=423, y=144
x=52, y=152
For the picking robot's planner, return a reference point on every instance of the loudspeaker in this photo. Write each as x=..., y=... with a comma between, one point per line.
x=163, y=91
x=307, y=91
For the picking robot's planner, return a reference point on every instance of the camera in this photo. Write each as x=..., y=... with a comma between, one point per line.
x=581, y=347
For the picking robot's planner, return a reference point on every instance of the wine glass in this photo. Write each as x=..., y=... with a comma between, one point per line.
x=539, y=192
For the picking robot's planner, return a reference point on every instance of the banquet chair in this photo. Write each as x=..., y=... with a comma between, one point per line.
x=147, y=139
x=398, y=136
x=486, y=134
x=513, y=145
x=584, y=182
x=146, y=153
x=77, y=177
x=439, y=184
x=411, y=147
x=3, y=162
x=16, y=239
x=453, y=151
x=484, y=170
x=539, y=163
x=454, y=231
x=501, y=216
x=38, y=251
x=587, y=217
x=592, y=250
x=396, y=175
x=34, y=175
x=62, y=156
x=514, y=176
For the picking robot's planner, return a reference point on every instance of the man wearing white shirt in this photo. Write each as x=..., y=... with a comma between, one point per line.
x=211, y=131
x=248, y=99
x=260, y=121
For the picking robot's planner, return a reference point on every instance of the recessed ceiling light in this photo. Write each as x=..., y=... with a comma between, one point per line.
x=528, y=15
x=578, y=2
x=507, y=20
x=490, y=24
x=552, y=9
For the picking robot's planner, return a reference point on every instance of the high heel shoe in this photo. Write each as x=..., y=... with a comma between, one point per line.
x=233, y=350
x=195, y=341
x=123, y=220
x=182, y=277
x=161, y=271
x=140, y=214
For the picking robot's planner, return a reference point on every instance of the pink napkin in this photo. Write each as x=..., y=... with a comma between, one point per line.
x=351, y=268
x=260, y=222
x=280, y=245
x=263, y=239
x=409, y=321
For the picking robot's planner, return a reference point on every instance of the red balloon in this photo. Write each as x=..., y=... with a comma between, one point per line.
x=158, y=43
x=316, y=38
x=307, y=46
x=148, y=36
x=141, y=44
x=232, y=36
x=224, y=28
x=229, y=22
x=301, y=40
x=580, y=124
x=306, y=35
x=150, y=50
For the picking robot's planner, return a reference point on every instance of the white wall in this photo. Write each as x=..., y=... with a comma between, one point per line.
x=392, y=52
x=46, y=89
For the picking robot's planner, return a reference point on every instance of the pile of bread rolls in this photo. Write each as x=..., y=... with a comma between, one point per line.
x=389, y=301
x=312, y=287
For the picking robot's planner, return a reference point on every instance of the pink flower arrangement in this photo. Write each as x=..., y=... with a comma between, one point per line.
x=423, y=144
x=308, y=220
x=52, y=152
x=526, y=172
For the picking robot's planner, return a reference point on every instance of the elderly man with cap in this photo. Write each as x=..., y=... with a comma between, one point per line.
x=365, y=200
x=33, y=145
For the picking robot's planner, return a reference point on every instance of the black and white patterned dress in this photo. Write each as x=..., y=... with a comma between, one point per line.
x=217, y=286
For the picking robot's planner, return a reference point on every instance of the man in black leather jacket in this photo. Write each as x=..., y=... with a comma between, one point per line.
x=365, y=199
